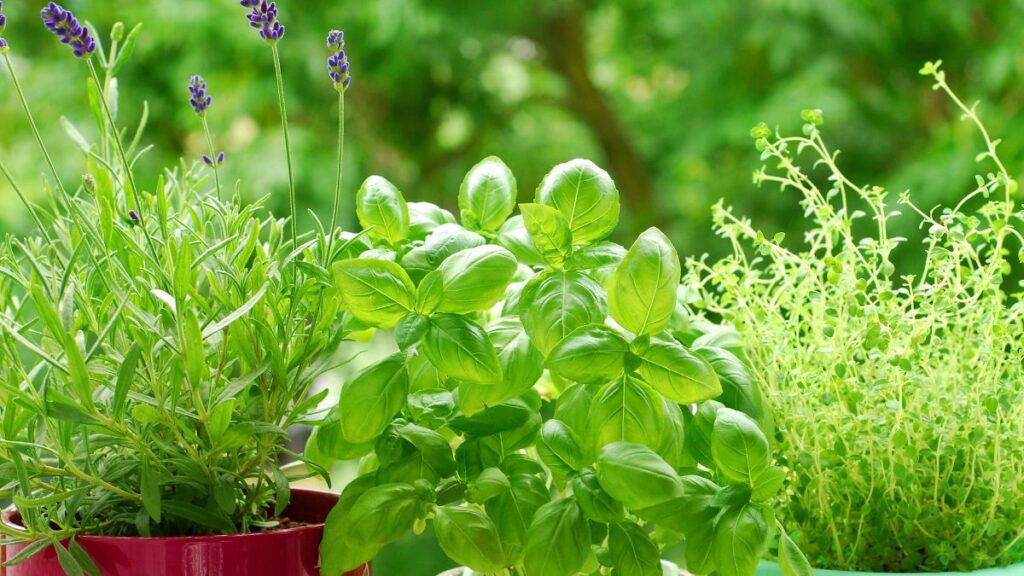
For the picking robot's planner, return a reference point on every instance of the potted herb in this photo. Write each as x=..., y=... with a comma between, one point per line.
x=537, y=405
x=897, y=392
x=157, y=340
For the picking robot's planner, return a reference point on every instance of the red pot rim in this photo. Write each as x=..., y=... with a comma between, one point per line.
x=12, y=519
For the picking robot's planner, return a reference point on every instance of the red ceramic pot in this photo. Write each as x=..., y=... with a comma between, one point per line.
x=291, y=552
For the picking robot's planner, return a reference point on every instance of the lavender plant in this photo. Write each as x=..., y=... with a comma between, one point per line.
x=157, y=341
x=899, y=395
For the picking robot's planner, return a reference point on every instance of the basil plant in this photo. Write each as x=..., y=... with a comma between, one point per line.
x=539, y=407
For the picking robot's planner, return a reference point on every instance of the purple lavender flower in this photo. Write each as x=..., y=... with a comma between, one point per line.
x=213, y=162
x=3, y=25
x=134, y=217
x=66, y=27
x=200, y=100
x=337, y=64
x=263, y=17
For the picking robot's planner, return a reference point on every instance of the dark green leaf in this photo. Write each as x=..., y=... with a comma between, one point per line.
x=560, y=449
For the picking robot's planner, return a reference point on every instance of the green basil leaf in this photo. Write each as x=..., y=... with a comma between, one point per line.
x=513, y=512
x=739, y=448
x=475, y=279
x=597, y=504
x=739, y=389
x=634, y=475
x=431, y=408
x=490, y=483
x=425, y=217
x=382, y=210
x=625, y=410
x=328, y=443
x=633, y=553
x=369, y=402
x=338, y=552
x=599, y=260
x=700, y=557
x=503, y=417
x=699, y=431
x=560, y=449
x=586, y=196
x=549, y=232
x=521, y=363
x=410, y=330
x=675, y=372
x=514, y=237
x=741, y=539
x=469, y=537
x=461, y=349
x=642, y=291
x=488, y=194
x=573, y=407
x=591, y=354
x=444, y=241
x=693, y=511
x=376, y=292
x=673, y=437
x=435, y=450
x=558, y=540
x=383, y=514
x=553, y=305
x=791, y=559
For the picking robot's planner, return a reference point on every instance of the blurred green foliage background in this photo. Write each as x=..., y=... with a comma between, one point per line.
x=660, y=92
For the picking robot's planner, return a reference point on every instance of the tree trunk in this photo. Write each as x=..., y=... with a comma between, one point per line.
x=563, y=36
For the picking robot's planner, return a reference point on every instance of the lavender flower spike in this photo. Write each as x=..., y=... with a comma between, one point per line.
x=200, y=100
x=3, y=25
x=66, y=27
x=337, y=64
x=263, y=17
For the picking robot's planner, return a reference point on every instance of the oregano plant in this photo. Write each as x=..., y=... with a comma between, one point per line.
x=538, y=403
x=898, y=392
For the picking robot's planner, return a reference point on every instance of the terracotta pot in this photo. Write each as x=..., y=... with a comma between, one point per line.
x=291, y=552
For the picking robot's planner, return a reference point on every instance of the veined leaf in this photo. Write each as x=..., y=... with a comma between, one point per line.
x=586, y=195
x=675, y=372
x=382, y=210
x=488, y=194
x=461, y=349
x=376, y=292
x=554, y=305
x=549, y=232
x=642, y=291
x=592, y=354
x=369, y=402
x=558, y=540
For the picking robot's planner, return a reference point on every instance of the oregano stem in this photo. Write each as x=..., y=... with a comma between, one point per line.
x=287, y=141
